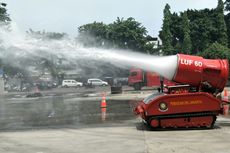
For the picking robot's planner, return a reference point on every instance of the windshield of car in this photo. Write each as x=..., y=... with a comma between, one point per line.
x=152, y=97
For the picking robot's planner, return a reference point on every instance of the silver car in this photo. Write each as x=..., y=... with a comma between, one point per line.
x=96, y=82
x=71, y=83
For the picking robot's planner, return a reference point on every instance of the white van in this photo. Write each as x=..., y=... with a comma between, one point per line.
x=97, y=82
x=71, y=83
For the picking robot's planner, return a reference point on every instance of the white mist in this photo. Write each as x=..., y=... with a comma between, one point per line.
x=17, y=46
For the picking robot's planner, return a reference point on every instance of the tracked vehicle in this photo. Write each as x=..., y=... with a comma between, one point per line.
x=196, y=102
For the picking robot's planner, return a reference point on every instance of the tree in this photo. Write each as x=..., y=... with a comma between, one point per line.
x=48, y=62
x=187, y=44
x=216, y=50
x=5, y=23
x=166, y=35
x=201, y=29
x=221, y=30
x=127, y=34
x=227, y=19
x=152, y=46
x=93, y=34
x=176, y=29
x=46, y=35
x=227, y=5
x=4, y=16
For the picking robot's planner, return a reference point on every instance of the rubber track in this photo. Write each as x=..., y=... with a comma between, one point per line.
x=170, y=116
x=184, y=115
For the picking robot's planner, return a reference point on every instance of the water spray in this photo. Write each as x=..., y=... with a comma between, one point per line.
x=20, y=50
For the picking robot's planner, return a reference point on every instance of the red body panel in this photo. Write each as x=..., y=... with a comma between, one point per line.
x=187, y=103
x=194, y=70
x=151, y=79
x=169, y=83
x=135, y=76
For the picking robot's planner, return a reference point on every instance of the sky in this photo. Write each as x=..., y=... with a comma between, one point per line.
x=67, y=15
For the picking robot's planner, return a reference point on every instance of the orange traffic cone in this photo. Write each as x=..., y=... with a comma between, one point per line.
x=103, y=101
x=226, y=107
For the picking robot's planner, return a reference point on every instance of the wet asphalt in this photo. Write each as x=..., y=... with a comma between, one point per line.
x=72, y=121
x=78, y=109
x=64, y=108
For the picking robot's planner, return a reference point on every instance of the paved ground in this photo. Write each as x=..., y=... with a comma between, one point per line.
x=113, y=139
x=190, y=141
x=73, y=122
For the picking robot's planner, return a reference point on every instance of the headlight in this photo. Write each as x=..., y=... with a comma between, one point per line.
x=163, y=106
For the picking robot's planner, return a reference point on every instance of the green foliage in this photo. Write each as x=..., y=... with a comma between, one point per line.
x=93, y=34
x=187, y=44
x=227, y=19
x=204, y=30
x=221, y=30
x=207, y=27
x=4, y=16
x=216, y=50
x=195, y=30
x=5, y=23
x=166, y=35
x=43, y=64
x=148, y=47
x=227, y=5
x=176, y=29
x=126, y=34
x=46, y=35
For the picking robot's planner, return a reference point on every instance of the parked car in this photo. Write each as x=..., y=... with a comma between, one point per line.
x=97, y=82
x=71, y=83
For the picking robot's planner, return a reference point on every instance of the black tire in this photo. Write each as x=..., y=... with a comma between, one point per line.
x=150, y=120
x=137, y=86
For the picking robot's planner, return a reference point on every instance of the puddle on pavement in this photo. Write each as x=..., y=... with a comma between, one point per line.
x=57, y=111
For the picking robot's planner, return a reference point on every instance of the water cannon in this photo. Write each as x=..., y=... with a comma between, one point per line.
x=206, y=74
x=195, y=101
